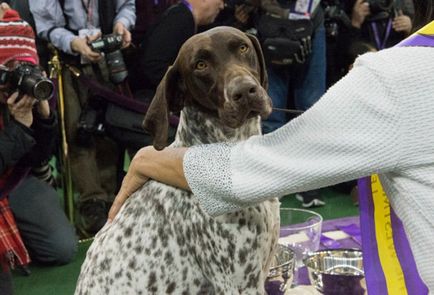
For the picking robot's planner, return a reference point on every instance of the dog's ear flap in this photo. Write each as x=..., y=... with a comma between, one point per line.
x=168, y=97
x=261, y=59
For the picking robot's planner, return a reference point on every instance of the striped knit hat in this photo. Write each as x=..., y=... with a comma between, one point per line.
x=17, y=39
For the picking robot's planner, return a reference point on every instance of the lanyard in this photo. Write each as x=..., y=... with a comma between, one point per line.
x=381, y=44
x=88, y=8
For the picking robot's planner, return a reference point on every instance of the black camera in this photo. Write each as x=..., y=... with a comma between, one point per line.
x=27, y=79
x=90, y=123
x=111, y=45
x=334, y=17
x=380, y=9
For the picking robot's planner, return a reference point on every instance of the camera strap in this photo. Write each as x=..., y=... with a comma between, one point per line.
x=88, y=8
x=381, y=44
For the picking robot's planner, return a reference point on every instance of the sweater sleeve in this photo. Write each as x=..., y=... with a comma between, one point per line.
x=51, y=21
x=351, y=132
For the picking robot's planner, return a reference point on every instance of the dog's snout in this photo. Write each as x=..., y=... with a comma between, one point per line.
x=245, y=89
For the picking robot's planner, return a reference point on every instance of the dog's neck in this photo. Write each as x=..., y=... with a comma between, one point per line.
x=196, y=127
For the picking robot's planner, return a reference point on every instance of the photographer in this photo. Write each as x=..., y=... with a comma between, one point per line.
x=27, y=135
x=71, y=26
x=382, y=23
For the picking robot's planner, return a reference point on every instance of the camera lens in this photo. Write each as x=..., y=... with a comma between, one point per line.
x=117, y=69
x=43, y=89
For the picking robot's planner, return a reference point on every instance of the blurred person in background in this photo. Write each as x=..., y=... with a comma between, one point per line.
x=70, y=26
x=300, y=85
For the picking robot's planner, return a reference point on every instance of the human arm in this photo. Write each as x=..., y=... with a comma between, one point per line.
x=51, y=25
x=124, y=20
x=353, y=131
x=16, y=139
x=44, y=131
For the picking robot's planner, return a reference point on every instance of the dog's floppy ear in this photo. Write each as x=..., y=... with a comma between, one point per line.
x=168, y=97
x=260, y=55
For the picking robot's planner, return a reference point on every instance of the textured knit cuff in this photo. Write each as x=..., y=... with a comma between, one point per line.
x=207, y=170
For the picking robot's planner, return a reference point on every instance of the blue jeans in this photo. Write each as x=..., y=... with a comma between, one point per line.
x=307, y=89
x=46, y=232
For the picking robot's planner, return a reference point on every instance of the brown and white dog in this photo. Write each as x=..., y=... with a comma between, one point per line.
x=162, y=242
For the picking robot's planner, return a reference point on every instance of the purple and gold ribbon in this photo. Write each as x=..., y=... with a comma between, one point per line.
x=388, y=261
x=424, y=37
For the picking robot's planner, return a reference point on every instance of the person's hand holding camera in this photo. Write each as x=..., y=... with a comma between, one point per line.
x=43, y=108
x=21, y=109
x=120, y=29
x=402, y=23
x=360, y=12
x=81, y=46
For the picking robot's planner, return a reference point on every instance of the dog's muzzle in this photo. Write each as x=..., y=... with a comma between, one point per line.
x=245, y=92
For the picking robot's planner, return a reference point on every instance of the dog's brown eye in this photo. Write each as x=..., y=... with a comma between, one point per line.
x=200, y=65
x=243, y=48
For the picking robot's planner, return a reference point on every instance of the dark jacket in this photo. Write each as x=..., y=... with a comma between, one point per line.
x=162, y=43
x=25, y=147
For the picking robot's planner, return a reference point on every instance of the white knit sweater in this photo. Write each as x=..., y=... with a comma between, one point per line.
x=377, y=119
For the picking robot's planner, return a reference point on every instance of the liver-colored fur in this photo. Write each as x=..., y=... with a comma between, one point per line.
x=162, y=242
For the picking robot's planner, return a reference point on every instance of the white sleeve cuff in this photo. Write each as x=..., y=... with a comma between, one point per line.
x=201, y=166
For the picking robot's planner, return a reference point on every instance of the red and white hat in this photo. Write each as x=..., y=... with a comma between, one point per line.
x=17, y=39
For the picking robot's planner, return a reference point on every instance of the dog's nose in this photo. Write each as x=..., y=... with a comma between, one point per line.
x=244, y=89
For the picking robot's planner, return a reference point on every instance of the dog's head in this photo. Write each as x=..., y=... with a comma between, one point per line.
x=222, y=72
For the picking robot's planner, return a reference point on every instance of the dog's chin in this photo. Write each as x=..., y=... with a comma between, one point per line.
x=232, y=123
x=265, y=113
x=239, y=120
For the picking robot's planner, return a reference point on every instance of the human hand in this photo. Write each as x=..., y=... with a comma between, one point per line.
x=132, y=181
x=21, y=110
x=402, y=23
x=3, y=8
x=360, y=11
x=81, y=46
x=43, y=108
x=241, y=13
x=119, y=29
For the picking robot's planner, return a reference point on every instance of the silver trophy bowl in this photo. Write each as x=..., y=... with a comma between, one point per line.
x=281, y=271
x=337, y=271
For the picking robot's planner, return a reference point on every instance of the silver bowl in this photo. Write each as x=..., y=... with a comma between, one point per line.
x=337, y=271
x=281, y=272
